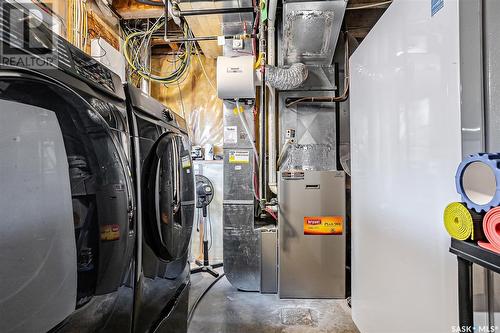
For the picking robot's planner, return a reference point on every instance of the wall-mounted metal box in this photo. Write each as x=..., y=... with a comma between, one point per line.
x=235, y=77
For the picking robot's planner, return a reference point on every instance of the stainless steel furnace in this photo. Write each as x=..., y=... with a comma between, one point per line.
x=312, y=237
x=312, y=200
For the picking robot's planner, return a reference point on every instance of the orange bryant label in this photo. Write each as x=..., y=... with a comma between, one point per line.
x=323, y=225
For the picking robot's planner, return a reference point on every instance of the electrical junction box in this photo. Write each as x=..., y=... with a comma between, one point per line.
x=235, y=77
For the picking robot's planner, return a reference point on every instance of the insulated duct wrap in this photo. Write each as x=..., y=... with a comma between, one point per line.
x=491, y=226
x=477, y=181
x=463, y=224
x=286, y=78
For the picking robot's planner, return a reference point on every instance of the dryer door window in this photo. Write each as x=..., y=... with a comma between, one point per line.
x=167, y=229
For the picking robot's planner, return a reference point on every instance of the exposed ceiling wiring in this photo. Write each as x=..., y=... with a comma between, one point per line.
x=137, y=44
x=79, y=29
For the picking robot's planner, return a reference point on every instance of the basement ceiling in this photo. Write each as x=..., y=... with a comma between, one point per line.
x=360, y=17
x=360, y=21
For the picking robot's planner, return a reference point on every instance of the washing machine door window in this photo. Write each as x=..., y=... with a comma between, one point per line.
x=101, y=185
x=37, y=238
x=167, y=229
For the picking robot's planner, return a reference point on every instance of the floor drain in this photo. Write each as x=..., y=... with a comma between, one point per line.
x=297, y=316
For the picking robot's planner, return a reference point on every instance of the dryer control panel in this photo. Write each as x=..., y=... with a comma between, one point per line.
x=91, y=69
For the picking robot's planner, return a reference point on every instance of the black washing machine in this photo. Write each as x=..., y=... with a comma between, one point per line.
x=164, y=182
x=97, y=196
x=68, y=208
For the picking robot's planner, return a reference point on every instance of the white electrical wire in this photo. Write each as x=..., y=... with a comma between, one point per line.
x=372, y=5
x=134, y=47
x=247, y=130
x=182, y=100
x=203, y=68
x=252, y=141
x=284, y=151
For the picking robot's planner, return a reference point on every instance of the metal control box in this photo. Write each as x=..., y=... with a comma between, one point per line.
x=312, y=234
x=235, y=77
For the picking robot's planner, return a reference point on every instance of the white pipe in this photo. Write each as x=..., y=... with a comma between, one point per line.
x=247, y=130
x=273, y=4
x=271, y=113
x=284, y=151
x=252, y=141
x=271, y=120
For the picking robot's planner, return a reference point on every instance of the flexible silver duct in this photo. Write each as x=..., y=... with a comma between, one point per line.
x=286, y=78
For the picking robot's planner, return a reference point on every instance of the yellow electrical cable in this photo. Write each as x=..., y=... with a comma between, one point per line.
x=147, y=75
x=258, y=63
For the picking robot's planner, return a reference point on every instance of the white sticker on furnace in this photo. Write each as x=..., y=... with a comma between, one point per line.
x=239, y=157
x=231, y=134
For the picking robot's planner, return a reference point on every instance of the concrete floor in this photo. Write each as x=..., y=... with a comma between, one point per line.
x=225, y=309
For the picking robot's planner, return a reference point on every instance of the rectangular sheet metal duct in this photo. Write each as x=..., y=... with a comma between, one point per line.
x=311, y=30
x=211, y=25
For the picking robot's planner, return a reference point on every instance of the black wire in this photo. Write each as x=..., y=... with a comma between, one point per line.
x=102, y=48
x=151, y=2
x=98, y=37
x=195, y=305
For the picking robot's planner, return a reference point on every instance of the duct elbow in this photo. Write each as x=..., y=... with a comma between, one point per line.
x=286, y=78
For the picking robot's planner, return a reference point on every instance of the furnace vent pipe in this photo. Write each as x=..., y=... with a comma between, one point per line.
x=286, y=78
x=271, y=112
